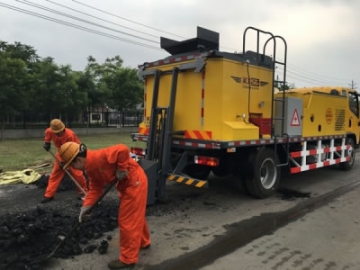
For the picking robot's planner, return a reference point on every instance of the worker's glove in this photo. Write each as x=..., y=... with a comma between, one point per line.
x=120, y=175
x=47, y=146
x=84, y=212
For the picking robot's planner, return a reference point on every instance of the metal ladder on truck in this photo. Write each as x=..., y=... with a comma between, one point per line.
x=157, y=160
x=277, y=101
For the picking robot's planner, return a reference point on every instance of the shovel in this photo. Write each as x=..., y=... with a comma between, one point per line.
x=77, y=225
x=68, y=173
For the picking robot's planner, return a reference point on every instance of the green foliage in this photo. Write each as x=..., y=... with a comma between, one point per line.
x=287, y=86
x=126, y=89
x=46, y=82
x=17, y=69
x=31, y=83
x=12, y=84
x=21, y=51
x=116, y=86
x=96, y=92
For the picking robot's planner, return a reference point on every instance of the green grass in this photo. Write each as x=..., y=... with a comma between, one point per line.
x=20, y=154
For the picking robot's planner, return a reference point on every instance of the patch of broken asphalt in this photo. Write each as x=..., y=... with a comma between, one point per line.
x=30, y=231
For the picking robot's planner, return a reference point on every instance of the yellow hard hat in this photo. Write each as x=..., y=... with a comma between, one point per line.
x=56, y=125
x=68, y=151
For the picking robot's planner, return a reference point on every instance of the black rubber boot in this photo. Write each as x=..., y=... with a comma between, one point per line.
x=119, y=265
x=146, y=247
x=47, y=199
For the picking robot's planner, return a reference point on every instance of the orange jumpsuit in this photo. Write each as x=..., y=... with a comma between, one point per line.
x=101, y=166
x=57, y=172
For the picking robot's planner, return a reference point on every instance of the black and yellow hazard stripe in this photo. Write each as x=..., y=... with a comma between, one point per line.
x=187, y=181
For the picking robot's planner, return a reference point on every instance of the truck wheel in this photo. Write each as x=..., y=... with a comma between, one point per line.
x=266, y=175
x=197, y=171
x=347, y=166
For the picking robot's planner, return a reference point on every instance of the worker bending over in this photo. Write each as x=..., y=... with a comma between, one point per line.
x=102, y=166
x=60, y=135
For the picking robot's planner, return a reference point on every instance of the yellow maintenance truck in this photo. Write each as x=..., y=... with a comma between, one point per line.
x=211, y=111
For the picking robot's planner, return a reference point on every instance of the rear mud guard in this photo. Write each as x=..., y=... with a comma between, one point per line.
x=150, y=168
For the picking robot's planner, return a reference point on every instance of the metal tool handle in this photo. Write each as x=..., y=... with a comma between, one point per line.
x=68, y=173
x=106, y=190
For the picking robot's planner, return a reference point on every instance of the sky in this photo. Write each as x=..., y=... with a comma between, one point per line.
x=322, y=36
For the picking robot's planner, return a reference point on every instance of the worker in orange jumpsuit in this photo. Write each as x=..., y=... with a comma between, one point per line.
x=102, y=166
x=60, y=135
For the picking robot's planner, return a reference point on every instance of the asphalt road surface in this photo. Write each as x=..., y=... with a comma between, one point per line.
x=222, y=228
x=324, y=239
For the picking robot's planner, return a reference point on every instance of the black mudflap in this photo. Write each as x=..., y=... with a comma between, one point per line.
x=150, y=168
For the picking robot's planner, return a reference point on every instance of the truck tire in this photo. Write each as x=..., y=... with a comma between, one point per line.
x=347, y=166
x=200, y=172
x=265, y=174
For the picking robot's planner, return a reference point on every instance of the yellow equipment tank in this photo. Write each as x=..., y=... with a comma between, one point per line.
x=327, y=110
x=212, y=102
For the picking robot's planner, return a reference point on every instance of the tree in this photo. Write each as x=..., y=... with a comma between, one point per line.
x=23, y=52
x=12, y=95
x=93, y=82
x=29, y=83
x=57, y=93
x=17, y=63
x=117, y=86
x=73, y=100
x=47, y=93
x=126, y=89
x=287, y=86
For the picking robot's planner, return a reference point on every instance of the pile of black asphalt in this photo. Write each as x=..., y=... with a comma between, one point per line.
x=30, y=231
x=28, y=237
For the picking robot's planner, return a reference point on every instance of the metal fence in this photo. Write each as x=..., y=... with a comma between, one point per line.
x=92, y=119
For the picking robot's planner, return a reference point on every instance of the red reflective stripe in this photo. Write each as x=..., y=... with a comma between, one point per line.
x=312, y=166
x=198, y=134
x=295, y=170
x=295, y=154
x=202, y=112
